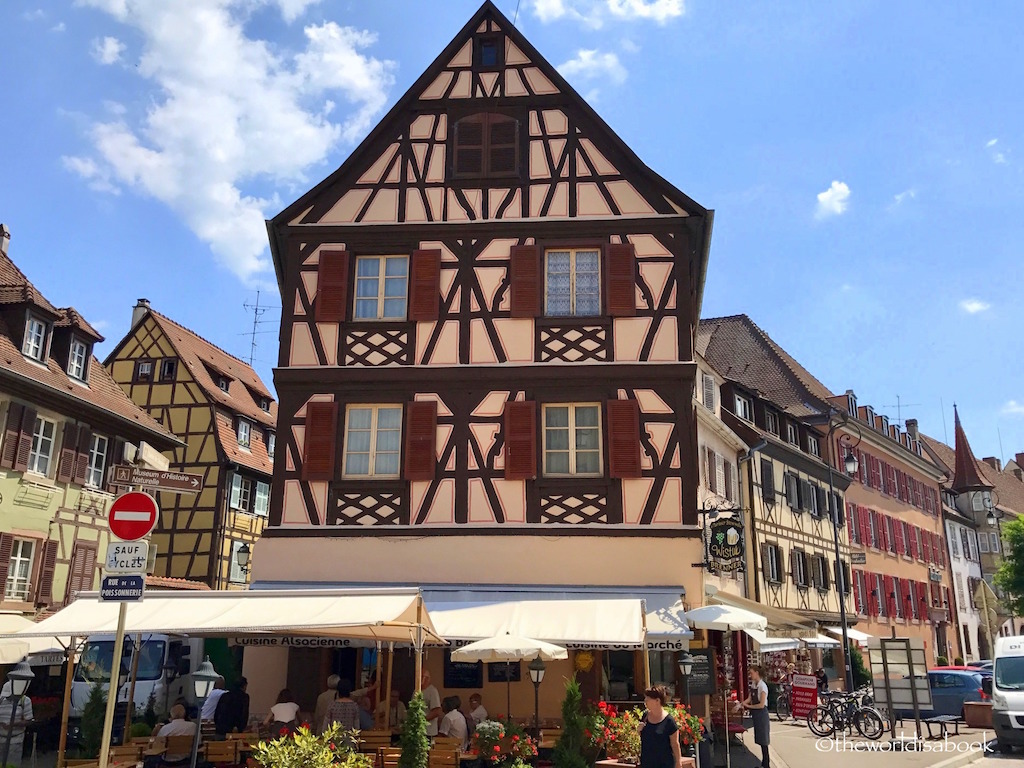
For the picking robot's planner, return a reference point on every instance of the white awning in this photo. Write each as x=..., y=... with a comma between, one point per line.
x=861, y=638
x=772, y=644
x=381, y=614
x=569, y=623
x=821, y=641
x=13, y=650
x=667, y=629
x=725, y=618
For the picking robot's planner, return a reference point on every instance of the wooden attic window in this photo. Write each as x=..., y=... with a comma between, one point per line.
x=486, y=146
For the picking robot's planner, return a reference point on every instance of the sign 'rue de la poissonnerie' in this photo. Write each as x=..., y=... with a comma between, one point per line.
x=127, y=588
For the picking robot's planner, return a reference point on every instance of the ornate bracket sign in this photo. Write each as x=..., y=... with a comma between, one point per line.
x=725, y=545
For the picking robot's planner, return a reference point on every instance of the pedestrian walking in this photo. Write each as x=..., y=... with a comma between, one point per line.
x=659, y=733
x=757, y=705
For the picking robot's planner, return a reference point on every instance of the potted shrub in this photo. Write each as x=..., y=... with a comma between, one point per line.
x=502, y=744
x=570, y=750
x=304, y=749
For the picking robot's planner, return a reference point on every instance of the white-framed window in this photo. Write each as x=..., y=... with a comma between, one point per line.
x=821, y=572
x=572, y=282
x=744, y=408
x=799, y=559
x=812, y=499
x=271, y=443
x=851, y=404
x=97, y=461
x=144, y=370
x=34, y=345
x=239, y=493
x=19, y=574
x=983, y=542
x=264, y=404
x=813, y=446
x=960, y=602
x=792, y=434
x=244, y=433
x=235, y=573
x=77, y=358
x=771, y=422
x=880, y=595
x=970, y=541
x=860, y=598
x=39, y=458
x=708, y=383
x=373, y=436
x=898, y=598
x=382, y=285
x=954, y=543
x=168, y=369
x=572, y=439
x=261, y=501
x=995, y=543
x=772, y=553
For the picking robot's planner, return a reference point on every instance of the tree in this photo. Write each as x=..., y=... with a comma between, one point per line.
x=93, y=714
x=569, y=749
x=414, y=741
x=1010, y=576
x=861, y=676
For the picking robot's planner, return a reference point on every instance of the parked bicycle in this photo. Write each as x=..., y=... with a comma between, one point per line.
x=843, y=711
x=784, y=702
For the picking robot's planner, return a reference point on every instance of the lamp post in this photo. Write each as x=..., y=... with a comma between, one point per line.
x=19, y=678
x=537, y=669
x=685, y=668
x=242, y=557
x=994, y=518
x=203, y=679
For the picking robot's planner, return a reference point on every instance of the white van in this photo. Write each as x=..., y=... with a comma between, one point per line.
x=1008, y=692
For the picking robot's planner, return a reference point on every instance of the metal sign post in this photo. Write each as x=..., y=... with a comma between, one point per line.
x=115, y=669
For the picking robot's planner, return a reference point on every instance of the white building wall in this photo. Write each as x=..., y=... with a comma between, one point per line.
x=964, y=566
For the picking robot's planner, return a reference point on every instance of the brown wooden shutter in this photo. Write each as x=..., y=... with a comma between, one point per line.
x=82, y=459
x=728, y=482
x=114, y=457
x=620, y=280
x=502, y=145
x=624, y=439
x=48, y=561
x=83, y=569
x=469, y=146
x=68, y=446
x=332, y=287
x=420, y=439
x=9, y=449
x=520, y=440
x=28, y=426
x=766, y=570
x=425, y=285
x=6, y=547
x=320, y=441
x=524, y=274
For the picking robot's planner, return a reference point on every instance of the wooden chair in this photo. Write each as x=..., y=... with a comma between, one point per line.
x=82, y=763
x=177, y=745
x=371, y=741
x=443, y=757
x=388, y=757
x=448, y=742
x=249, y=737
x=126, y=753
x=222, y=752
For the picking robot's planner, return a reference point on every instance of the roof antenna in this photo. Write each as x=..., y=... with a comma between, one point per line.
x=257, y=320
x=945, y=434
x=516, y=16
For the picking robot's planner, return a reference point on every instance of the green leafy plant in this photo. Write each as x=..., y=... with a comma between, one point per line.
x=304, y=749
x=414, y=741
x=689, y=724
x=569, y=751
x=502, y=744
x=149, y=715
x=93, y=714
x=139, y=729
x=861, y=676
x=1010, y=576
x=623, y=738
x=958, y=661
x=941, y=661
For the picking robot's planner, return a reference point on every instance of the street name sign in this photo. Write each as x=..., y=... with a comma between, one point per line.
x=181, y=482
x=858, y=558
x=133, y=516
x=127, y=588
x=127, y=557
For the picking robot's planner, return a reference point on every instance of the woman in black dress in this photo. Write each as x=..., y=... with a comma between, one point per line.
x=757, y=705
x=659, y=734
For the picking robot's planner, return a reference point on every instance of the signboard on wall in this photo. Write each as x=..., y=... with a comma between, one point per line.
x=725, y=545
x=805, y=695
x=462, y=674
x=504, y=672
x=703, y=680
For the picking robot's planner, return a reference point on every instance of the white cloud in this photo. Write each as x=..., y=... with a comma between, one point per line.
x=833, y=201
x=991, y=142
x=998, y=155
x=593, y=65
x=228, y=111
x=90, y=170
x=108, y=50
x=593, y=13
x=1013, y=408
x=908, y=194
x=37, y=14
x=58, y=27
x=974, y=306
x=292, y=9
x=629, y=46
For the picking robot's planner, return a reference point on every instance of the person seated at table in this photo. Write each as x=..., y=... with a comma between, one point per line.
x=343, y=709
x=397, y=710
x=366, y=721
x=283, y=715
x=454, y=724
x=232, y=714
x=178, y=726
x=323, y=703
x=476, y=709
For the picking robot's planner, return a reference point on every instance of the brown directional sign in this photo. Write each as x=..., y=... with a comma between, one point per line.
x=182, y=482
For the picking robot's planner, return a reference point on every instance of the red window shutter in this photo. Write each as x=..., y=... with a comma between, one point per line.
x=864, y=515
x=912, y=533
x=320, y=441
x=44, y=590
x=883, y=532
x=889, y=587
x=620, y=279
x=874, y=600
x=624, y=440
x=521, y=440
x=332, y=287
x=6, y=547
x=524, y=275
x=947, y=603
x=425, y=285
x=68, y=446
x=116, y=453
x=929, y=546
x=28, y=425
x=12, y=430
x=856, y=590
x=82, y=457
x=901, y=539
x=420, y=439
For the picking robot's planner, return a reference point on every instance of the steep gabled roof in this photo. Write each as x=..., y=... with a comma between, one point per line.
x=744, y=353
x=966, y=472
x=15, y=288
x=72, y=318
x=1008, y=491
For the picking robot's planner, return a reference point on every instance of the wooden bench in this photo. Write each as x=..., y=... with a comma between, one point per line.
x=943, y=721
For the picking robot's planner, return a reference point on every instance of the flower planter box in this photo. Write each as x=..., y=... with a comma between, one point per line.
x=978, y=714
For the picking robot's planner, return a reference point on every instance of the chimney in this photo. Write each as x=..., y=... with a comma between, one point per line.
x=1019, y=474
x=912, y=429
x=5, y=239
x=993, y=462
x=139, y=311
x=1020, y=460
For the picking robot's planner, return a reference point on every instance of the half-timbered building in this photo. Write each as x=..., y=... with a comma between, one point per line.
x=486, y=366
x=225, y=417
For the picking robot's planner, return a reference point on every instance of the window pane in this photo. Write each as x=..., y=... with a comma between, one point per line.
x=586, y=261
x=386, y=464
x=366, y=309
x=357, y=464
x=558, y=463
x=587, y=439
x=359, y=441
x=394, y=308
x=394, y=286
x=360, y=418
x=367, y=267
x=387, y=440
x=587, y=462
x=367, y=287
x=389, y=418
x=556, y=417
x=396, y=266
x=556, y=439
x=586, y=416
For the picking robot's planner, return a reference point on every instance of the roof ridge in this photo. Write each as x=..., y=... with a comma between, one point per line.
x=785, y=357
x=202, y=339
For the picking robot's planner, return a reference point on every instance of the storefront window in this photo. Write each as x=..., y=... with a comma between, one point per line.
x=664, y=669
x=619, y=678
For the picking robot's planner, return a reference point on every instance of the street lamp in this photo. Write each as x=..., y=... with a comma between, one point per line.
x=242, y=557
x=203, y=679
x=537, y=669
x=19, y=678
x=685, y=668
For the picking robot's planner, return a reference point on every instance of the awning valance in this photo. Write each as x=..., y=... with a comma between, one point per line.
x=767, y=644
x=861, y=638
x=777, y=617
x=821, y=641
x=394, y=615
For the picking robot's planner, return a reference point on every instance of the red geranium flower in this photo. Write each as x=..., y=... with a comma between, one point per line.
x=497, y=748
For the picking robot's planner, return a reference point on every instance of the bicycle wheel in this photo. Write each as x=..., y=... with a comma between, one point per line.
x=821, y=721
x=782, y=710
x=869, y=723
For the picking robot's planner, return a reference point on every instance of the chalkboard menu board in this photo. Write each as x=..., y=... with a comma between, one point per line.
x=462, y=674
x=503, y=672
x=703, y=678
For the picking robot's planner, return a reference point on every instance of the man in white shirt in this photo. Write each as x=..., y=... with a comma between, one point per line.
x=476, y=708
x=210, y=705
x=21, y=708
x=454, y=723
x=432, y=699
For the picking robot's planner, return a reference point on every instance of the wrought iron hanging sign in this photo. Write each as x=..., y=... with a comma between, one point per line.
x=725, y=545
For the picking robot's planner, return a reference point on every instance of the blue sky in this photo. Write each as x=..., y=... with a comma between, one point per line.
x=864, y=160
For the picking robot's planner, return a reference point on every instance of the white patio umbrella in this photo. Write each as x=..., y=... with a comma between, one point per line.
x=14, y=649
x=725, y=618
x=507, y=648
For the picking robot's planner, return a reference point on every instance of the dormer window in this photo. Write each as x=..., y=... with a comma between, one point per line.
x=771, y=422
x=144, y=371
x=78, y=359
x=851, y=404
x=489, y=52
x=813, y=446
x=222, y=383
x=486, y=146
x=744, y=408
x=271, y=444
x=34, y=345
x=264, y=404
x=792, y=434
x=244, y=433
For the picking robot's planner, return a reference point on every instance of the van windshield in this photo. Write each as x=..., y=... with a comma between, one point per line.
x=1009, y=673
x=98, y=659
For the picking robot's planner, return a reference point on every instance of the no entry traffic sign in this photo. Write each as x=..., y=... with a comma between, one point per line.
x=133, y=515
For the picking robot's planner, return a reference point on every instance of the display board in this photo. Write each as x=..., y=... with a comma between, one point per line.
x=462, y=674
x=805, y=695
x=703, y=678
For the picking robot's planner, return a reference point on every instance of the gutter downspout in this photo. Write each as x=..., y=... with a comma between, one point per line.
x=748, y=460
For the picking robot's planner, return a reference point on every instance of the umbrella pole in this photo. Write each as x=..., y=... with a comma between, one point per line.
x=378, y=681
x=66, y=712
x=508, y=691
x=387, y=691
x=419, y=644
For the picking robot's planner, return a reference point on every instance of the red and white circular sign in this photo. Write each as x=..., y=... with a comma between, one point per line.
x=133, y=515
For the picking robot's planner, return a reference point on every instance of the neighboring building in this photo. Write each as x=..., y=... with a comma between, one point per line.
x=486, y=362
x=227, y=418
x=65, y=423
x=772, y=402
